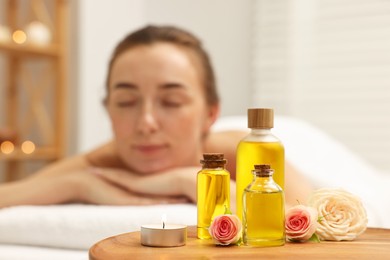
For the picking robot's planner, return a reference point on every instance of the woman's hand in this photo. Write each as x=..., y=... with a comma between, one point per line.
x=95, y=190
x=172, y=183
x=73, y=187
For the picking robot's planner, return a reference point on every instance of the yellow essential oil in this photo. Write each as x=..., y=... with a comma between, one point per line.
x=213, y=192
x=263, y=216
x=259, y=147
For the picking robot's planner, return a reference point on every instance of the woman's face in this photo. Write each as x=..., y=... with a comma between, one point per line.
x=157, y=107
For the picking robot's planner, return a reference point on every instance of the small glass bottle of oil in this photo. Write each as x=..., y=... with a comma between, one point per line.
x=260, y=146
x=213, y=191
x=263, y=216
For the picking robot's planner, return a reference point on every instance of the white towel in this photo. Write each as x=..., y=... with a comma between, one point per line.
x=17, y=252
x=80, y=226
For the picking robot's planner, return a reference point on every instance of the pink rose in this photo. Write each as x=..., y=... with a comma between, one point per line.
x=301, y=223
x=225, y=229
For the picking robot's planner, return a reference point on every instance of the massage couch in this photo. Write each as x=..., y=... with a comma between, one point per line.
x=68, y=231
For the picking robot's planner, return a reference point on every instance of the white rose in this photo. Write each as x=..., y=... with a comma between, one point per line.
x=342, y=215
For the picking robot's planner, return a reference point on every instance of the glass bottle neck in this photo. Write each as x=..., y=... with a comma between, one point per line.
x=213, y=165
x=264, y=183
x=263, y=176
x=261, y=131
x=263, y=179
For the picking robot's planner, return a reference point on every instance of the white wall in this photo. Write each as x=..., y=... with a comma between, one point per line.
x=102, y=23
x=225, y=28
x=328, y=62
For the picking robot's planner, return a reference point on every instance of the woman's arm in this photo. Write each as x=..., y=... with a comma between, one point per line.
x=297, y=187
x=225, y=142
x=48, y=186
x=71, y=180
x=179, y=181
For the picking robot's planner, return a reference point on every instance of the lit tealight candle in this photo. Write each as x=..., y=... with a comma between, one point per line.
x=163, y=235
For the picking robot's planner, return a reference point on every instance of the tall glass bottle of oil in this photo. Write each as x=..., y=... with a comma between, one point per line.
x=260, y=146
x=213, y=191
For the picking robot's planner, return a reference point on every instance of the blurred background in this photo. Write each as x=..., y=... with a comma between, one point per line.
x=323, y=61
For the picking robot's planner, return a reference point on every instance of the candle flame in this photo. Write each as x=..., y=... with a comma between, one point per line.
x=163, y=220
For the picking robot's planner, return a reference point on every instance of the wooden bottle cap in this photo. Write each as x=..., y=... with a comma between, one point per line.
x=260, y=118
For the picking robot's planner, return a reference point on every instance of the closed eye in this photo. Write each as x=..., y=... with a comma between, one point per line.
x=128, y=103
x=172, y=104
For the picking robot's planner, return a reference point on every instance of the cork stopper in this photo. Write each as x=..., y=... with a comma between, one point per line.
x=263, y=170
x=213, y=156
x=260, y=118
x=213, y=160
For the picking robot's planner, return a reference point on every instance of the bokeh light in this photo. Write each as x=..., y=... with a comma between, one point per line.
x=19, y=37
x=28, y=147
x=7, y=147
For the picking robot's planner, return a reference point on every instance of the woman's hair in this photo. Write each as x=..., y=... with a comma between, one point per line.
x=169, y=34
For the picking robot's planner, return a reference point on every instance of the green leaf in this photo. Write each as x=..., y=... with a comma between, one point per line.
x=314, y=238
x=321, y=218
x=227, y=211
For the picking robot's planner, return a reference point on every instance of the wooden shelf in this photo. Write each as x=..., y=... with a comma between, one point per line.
x=35, y=86
x=42, y=153
x=29, y=50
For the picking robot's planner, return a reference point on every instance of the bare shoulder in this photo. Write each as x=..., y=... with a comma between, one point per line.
x=105, y=156
x=220, y=139
x=225, y=142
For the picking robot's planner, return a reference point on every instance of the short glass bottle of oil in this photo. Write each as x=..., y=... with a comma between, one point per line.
x=213, y=191
x=263, y=210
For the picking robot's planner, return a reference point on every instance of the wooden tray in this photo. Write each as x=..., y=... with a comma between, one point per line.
x=373, y=244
